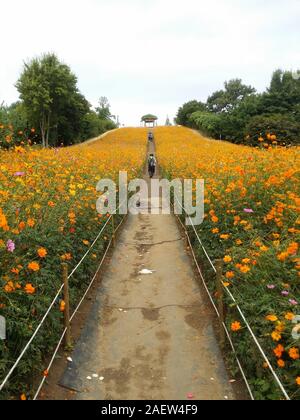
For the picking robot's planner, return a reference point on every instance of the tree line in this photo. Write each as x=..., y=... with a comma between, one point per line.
x=239, y=114
x=51, y=110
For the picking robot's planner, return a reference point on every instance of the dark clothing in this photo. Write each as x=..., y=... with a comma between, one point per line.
x=151, y=166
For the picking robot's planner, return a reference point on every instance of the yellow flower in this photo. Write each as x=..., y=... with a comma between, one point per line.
x=264, y=248
x=276, y=336
x=30, y=223
x=289, y=316
x=225, y=237
x=227, y=259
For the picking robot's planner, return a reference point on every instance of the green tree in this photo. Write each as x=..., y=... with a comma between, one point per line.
x=283, y=95
x=103, y=110
x=50, y=95
x=187, y=109
x=228, y=99
x=284, y=126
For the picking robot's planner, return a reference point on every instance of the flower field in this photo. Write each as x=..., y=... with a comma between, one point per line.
x=48, y=216
x=252, y=222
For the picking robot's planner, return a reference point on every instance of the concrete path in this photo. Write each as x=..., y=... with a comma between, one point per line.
x=149, y=336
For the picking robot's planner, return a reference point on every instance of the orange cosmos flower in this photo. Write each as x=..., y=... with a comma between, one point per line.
x=29, y=289
x=9, y=287
x=236, y=326
x=294, y=353
x=245, y=269
x=227, y=259
x=34, y=266
x=62, y=306
x=289, y=316
x=279, y=351
x=272, y=318
x=66, y=257
x=42, y=252
x=22, y=225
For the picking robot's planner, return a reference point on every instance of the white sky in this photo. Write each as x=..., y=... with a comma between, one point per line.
x=151, y=56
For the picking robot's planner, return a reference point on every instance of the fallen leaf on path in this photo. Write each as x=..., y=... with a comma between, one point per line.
x=89, y=378
x=101, y=378
x=190, y=396
x=69, y=359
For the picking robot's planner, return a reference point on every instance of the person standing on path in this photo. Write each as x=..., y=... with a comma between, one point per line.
x=152, y=165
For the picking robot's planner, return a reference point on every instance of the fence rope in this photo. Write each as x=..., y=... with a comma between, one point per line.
x=279, y=383
x=15, y=365
x=73, y=315
x=31, y=340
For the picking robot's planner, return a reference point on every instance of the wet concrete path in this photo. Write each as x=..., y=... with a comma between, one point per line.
x=149, y=336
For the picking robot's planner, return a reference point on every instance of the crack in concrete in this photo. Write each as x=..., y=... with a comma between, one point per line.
x=154, y=243
x=140, y=308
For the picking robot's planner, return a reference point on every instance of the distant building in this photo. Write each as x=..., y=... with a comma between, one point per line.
x=149, y=120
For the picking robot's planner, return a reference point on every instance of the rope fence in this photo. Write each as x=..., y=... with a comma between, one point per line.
x=109, y=220
x=231, y=297
x=217, y=310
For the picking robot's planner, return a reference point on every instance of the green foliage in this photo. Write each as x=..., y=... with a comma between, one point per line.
x=15, y=129
x=230, y=98
x=47, y=88
x=189, y=108
x=103, y=110
x=52, y=102
x=207, y=123
x=240, y=115
x=93, y=126
x=284, y=126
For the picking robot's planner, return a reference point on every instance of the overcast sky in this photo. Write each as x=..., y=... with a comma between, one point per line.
x=151, y=56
